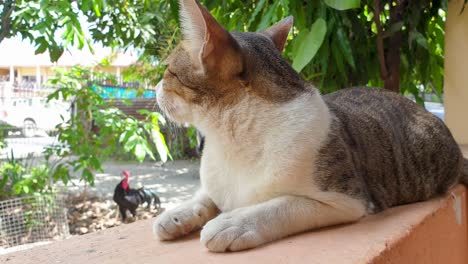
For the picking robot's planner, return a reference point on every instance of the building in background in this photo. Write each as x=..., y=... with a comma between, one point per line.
x=24, y=109
x=23, y=73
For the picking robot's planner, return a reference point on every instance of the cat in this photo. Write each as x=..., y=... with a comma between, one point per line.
x=279, y=158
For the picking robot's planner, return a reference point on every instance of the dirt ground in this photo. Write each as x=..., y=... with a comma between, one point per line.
x=173, y=182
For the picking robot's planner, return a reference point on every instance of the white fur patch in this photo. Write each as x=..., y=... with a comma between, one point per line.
x=173, y=106
x=269, y=151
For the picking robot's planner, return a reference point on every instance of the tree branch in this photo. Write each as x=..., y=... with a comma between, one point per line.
x=380, y=45
x=393, y=55
x=6, y=19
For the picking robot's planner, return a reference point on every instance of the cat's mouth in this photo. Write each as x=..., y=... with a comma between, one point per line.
x=159, y=86
x=160, y=98
x=170, y=109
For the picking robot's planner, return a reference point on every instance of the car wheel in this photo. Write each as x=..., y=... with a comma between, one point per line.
x=29, y=128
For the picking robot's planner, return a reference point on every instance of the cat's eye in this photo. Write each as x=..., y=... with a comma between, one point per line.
x=171, y=72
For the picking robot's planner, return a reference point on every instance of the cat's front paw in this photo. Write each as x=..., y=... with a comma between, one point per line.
x=178, y=222
x=230, y=232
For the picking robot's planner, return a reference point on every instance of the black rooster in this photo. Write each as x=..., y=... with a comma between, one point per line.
x=129, y=199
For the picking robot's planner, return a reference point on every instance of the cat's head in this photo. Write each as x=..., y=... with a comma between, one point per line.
x=213, y=69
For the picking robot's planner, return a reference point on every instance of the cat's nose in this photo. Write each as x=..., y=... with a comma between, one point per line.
x=159, y=86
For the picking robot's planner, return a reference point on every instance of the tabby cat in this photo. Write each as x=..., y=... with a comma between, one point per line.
x=279, y=158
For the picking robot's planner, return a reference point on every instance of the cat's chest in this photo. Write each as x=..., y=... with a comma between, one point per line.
x=232, y=185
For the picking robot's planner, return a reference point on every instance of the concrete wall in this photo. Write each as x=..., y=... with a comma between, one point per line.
x=456, y=71
x=432, y=232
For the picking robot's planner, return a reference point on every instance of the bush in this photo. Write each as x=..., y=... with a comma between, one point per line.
x=20, y=177
x=84, y=148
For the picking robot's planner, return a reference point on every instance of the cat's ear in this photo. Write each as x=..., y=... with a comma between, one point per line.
x=279, y=32
x=208, y=40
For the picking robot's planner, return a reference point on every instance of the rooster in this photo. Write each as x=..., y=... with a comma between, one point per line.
x=129, y=199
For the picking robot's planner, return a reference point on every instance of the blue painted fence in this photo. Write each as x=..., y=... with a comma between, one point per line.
x=113, y=92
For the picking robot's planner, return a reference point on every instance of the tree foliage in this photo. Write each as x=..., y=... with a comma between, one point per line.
x=335, y=44
x=338, y=44
x=97, y=130
x=55, y=25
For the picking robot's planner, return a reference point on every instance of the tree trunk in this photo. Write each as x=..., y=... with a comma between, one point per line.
x=392, y=82
x=389, y=57
x=393, y=52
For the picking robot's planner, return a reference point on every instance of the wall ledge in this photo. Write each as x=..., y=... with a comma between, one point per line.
x=429, y=232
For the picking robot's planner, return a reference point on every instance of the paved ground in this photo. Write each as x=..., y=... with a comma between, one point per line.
x=174, y=181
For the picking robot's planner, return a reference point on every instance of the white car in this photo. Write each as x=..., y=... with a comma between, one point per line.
x=35, y=116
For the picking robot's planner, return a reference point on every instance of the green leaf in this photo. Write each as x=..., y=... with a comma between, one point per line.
x=161, y=147
x=338, y=57
x=258, y=6
x=55, y=53
x=96, y=8
x=298, y=41
x=342, y=4
x=139, y=152
x=17, y=188
x=323, y=61
x=131, y=143
x=88, y=176
x=268, y=17
x=84, y=5
x=173, y=4
x=310, y=45
x=345, y=48
x=124, y=136
x=299, y=13
x=394, y=28
x=438, y=82
x=3, y=181
x=42, y=46
x=414, y=91
x=419, y=38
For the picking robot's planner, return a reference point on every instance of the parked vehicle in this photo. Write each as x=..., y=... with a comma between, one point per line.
x=34, y=116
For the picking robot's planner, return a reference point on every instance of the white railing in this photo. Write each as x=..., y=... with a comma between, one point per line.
x=23, y=89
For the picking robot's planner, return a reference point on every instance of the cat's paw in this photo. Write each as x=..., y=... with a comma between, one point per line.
x=230, y=232
x=178, y=222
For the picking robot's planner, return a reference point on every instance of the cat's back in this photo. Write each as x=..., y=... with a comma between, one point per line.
x=387, y=149
x=385, y=112
x=374, y=103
